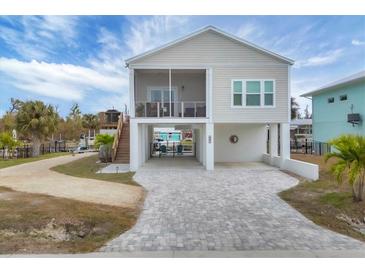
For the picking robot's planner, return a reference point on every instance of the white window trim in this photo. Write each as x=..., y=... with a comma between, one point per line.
x=262, y=93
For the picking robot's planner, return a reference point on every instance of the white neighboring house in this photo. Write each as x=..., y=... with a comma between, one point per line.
x=220, y=86
x=301, y=130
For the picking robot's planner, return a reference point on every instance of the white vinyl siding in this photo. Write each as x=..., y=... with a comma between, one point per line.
x=225, y=112
x=253, y=93
x=207, y=48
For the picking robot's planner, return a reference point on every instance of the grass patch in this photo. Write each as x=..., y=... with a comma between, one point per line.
x=337, y=199
x=87, y=168
x=324, y=200
x=14, y=162
x=35, y=223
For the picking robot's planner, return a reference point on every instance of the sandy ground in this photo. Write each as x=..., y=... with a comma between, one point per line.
x=36, y=177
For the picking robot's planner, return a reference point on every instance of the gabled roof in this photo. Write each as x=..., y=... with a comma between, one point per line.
x=206, y=29
x=344, y=81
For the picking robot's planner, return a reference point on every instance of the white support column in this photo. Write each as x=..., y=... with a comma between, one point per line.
x=273, y=142
x=209, y=147
x=134, y=144
x=284, y=142
x=132, y=102
x=209, y=94
x=170, y=91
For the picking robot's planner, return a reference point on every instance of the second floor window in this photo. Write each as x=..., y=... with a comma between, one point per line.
x=253, y=93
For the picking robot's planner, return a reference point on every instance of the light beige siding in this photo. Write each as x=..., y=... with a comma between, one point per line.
x=207, y=48
x=222, y=106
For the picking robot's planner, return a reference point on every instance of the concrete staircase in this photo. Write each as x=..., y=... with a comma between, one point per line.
x=122, y=155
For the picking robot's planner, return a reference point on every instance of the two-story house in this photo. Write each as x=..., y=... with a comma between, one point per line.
x=226, y=90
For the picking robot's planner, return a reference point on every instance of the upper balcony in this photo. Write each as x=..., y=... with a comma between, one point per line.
x=170, y=93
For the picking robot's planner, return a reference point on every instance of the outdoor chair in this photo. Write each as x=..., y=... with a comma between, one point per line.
x=163, y=150
x=179, y=150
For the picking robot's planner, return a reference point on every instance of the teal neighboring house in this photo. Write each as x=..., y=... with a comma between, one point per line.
x=339, y=108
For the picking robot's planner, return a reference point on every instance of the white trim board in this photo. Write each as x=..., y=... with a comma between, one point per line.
x=168, y=120
x=206, y=29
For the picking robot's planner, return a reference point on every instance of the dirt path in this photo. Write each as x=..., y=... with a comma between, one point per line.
x=36, y=177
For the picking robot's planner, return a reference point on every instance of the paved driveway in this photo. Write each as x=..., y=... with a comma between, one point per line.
x=230, y=208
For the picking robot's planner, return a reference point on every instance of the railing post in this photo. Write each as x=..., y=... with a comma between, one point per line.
x=158, y=109
x=182, y=109
x=306, y=146
x=320, y=148
x=194, y=109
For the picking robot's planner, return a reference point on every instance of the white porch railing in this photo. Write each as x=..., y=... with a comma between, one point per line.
x=180, y=109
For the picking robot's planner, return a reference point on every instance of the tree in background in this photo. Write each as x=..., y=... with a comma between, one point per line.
x=294, y=108
x=71, y=127
x=37, y=121
x=7, y=122
x=307, y=114
x=349, y=150
x=90, y=122
x=8, y=143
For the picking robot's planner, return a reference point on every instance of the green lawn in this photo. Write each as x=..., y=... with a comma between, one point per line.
x=14, y=162
x=87, y=168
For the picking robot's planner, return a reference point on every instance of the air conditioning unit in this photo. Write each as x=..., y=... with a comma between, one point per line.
x=354, y=118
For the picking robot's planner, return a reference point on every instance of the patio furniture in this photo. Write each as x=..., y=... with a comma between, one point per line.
x=179, y=150
x=163, y=150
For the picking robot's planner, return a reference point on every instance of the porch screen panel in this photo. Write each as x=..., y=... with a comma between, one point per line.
x=150, y=97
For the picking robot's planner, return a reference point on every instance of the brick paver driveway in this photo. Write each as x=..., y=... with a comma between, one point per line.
x=230, y=208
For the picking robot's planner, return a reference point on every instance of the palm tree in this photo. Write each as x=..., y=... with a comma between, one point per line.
x=350, y=152
x=37, y=121
x=294, y=108
x=90, y=122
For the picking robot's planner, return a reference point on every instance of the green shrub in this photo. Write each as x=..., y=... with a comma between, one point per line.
x=7, y=141
x=103, y=139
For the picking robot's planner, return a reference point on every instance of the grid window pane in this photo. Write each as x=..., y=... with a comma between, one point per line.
x=269, y=86
x=269, y=99
x=237, y=86
x=253, y=99
x=253, y=86
x=237, y=99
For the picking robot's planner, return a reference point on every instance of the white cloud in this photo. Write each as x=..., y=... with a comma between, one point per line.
x=327, y=58
x=35, y=37
x=110, y=57
x=63, y=81
x=249, y=31
x=145, y=34
x=356, y=42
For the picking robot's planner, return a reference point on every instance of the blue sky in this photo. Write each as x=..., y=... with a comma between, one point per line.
x=67, y=59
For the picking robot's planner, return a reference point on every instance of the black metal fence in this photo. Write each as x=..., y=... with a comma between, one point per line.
x=172, y=149
x=309, y=147
x=26, y=151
